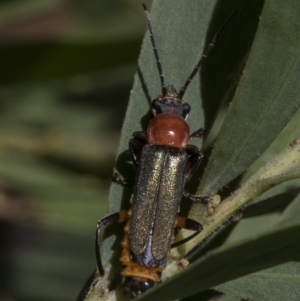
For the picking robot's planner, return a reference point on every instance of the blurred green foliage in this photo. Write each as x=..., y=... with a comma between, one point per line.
x=65, y=77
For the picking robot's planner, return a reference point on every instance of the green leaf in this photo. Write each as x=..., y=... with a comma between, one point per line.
x=291, y=214
x=230, y=262
x=228, y=298
x=266, y=98
x=276, y=284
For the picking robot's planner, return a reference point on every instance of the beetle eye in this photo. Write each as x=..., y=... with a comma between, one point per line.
x=186, y=110
x=156, y=107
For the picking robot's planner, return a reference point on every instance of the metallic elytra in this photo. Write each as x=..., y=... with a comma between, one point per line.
x=157, y=195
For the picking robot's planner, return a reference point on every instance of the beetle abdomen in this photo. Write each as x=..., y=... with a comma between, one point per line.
x=138, y=278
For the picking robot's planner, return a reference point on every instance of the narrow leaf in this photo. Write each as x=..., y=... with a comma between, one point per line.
x=266, y=99
x=276, y=284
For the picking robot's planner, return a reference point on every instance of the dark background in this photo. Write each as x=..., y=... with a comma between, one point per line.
x=66, y=70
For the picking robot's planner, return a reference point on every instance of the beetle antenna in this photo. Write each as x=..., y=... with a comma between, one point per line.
x=204, y=56
x=162, y=79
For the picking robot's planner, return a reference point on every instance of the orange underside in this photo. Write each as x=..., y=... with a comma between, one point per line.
x=134, y=269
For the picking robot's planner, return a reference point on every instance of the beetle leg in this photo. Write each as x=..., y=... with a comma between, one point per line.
x=118, y=179
x=109, y=220
x=199, y=133
x=194, y=159
x=136, y=144
x=194, y=197
x=189, y=224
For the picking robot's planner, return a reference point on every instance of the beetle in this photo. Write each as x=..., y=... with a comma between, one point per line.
x=164, y=162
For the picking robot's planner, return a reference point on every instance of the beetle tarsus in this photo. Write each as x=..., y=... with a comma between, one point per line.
x=118, y=179
x=108, y=220
x=202, y=198
x=188, y=224
x=136, y=144
x=199, y=133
